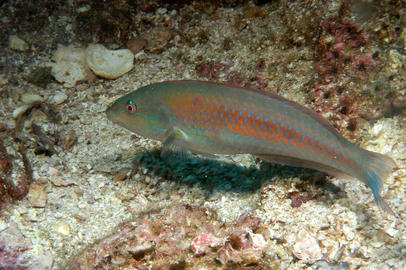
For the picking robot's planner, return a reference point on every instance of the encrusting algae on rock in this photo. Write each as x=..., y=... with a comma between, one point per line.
x=209, y=118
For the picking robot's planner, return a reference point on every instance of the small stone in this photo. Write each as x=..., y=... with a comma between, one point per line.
x=240, y=240
x=203, y=242
x=157, y=39
x=28, y=98
x=142, y=248
x=118, y=260
x=107, y=63
x=70, y=65
x=258, y=241
x=391, y=231
x=70, y=140
x=161, y=11
x=3, y=225
x=37, y=195
x=20, y=110
x=136, y=44
x=17, y=44
x=34, y=214
x=348, y=232
x=307, y=248
x=16, y=251
x=62, y=228
x=57, y=180
x=122, y=174
x=124, y=196
x=59, y=98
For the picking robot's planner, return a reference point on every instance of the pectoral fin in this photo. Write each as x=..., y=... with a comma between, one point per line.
x=175, y=143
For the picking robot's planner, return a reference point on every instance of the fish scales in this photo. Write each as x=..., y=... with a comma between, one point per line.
x=227, y=134
x=211, y=118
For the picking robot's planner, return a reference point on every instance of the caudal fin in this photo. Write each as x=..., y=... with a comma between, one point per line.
x=378, y=168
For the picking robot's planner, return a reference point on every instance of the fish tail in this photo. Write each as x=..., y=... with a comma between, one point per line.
x=378, y=168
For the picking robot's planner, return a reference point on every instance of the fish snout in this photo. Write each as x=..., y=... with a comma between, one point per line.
x=109, y=113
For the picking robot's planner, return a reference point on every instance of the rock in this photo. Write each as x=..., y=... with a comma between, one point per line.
x=258, y=241
x=35, y=214
x=28, y=98
x=62, y=228
x=157, y=39
x=16, y=252
x=348, y=233
x=307, y=248
x=136, y=44
x=203, y=242
x=17, y=44
x=20, y=110
x=122, y=174
x=37, y=195
x=107, y=63
x=59, y=98
x=142, y=248
x=57, y=179
x=70, y=140
x=70, y=65
x=324, y=265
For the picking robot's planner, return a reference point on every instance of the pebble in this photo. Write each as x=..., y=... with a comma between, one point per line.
x=57, y=179
x=307, y=248
x=17, y=44
x=392, y=232
x=121, y=174
x=203, y=242
x=28, y=98
x=37, y=195
x=136, y=44
x=35, y=214
x=70, y=65
x=258, y=240
x=107, y=63
x=348, y=232
x=17, y=252
x=3, y=225
x=161, y=11
x=157, y=39
x=59, y=98
x=62, y=228
x=118, y=260
x=21, y=109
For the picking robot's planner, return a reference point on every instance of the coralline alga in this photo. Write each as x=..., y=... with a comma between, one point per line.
x=178, y=237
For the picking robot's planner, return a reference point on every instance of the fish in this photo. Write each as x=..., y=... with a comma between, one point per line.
x=211, y=119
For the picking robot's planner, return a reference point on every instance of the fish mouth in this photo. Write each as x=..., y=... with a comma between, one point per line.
x=110, y=114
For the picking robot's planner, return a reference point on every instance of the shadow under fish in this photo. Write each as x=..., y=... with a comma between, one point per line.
x=217, y=175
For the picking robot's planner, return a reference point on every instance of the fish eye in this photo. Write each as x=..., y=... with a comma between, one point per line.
x=131, y=107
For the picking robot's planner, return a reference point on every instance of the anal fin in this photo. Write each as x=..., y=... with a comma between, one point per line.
x=292, y=161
